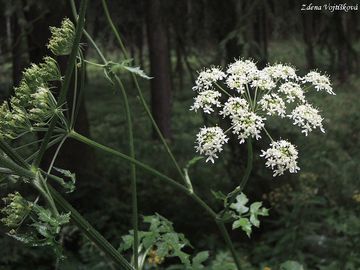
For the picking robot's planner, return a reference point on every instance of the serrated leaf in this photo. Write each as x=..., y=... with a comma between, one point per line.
x=137, y=71
x=193, y=161
x=239, y=206
x=244, y=224
x=201, y=257
x=124, y=65
x=255, y=211
x=69, y=185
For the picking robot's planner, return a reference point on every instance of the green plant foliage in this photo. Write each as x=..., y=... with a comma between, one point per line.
x=246, y=217
x=124, y=66
x=33, y=224
x=161, y=241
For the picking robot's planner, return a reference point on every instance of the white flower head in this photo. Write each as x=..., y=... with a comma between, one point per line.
x=246, y=125
x=237, y=82
x=307, y=117
x=321, y=82
x=292, y=90
x=206, y=100
x=280, y=71
x=263, y=80
x=210, y=141
x=245, y=68
x=272, y=104
x=207, y=77
x=234, y=107
x=280, y=157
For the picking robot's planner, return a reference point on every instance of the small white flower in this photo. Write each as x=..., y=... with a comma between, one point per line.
x=321, y=82
x=206, y=100
x=237, y=82
x=247, y=124
x=272, y=104
x=281, y=156
x=244, y=68
x=280, y=71
x=307, y=117
x=207, y=77
x=234, y=106
x=292, y=91
x=210, y=141
x=263, y=81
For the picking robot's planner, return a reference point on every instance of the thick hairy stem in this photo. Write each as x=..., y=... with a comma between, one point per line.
x=65, y=86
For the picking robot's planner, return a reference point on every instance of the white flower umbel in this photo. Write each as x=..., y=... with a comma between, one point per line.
x=263, y=81
x=292, y=91
x=210, y=141
x=280, y=71
x=321, y=82
x=307, y=117
x=245, y=68
x=272, y=104
x=234, y=106
x=275, y=90
x=247, y=124
x=237, y=82
x=206, y=100
x=280, y=157
x=206, y=79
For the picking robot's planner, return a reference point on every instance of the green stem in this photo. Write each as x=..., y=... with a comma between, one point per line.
x=90, y=232
x=76, y=218
x=134, y=203
x=142, y=99
x=268, y=134
x=147, y=168
x=222, y=89
x=249, y=165
x=81, y=90
x=12, y=154
x=229, y=243
x=65, y=86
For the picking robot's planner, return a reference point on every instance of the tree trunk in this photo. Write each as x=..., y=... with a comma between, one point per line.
x=160, y=68
x=308, y=36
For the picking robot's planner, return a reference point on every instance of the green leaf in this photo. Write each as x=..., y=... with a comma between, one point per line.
x=291, y=265
x=198, y=260
x=193, y=161
x=124, y=66
x=219, y=195
x=239, y=206
x=69, y=185
x=255, y=211
x=244, y=224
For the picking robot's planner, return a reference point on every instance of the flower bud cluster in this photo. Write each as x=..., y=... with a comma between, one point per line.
x=33, y=103
x=16, y=209
x=62, y=38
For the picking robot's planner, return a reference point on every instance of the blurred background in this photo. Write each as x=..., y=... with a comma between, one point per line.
x=314, y=215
